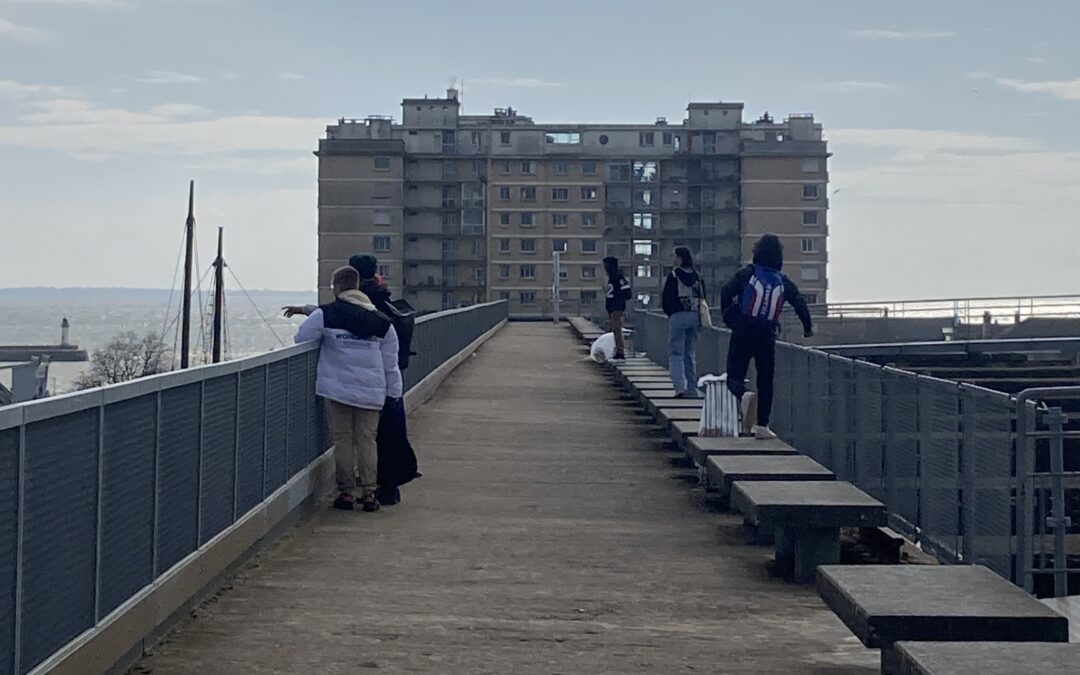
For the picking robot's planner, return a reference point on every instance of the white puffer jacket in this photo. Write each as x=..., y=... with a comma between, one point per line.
x=354, y=371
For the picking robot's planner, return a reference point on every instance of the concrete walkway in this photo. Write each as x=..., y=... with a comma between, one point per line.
x=549, y=534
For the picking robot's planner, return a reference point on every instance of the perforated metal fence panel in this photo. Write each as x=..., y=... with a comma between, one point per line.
x=901, y=447
x=939, y=452
x=989, y=446
x=868, y=413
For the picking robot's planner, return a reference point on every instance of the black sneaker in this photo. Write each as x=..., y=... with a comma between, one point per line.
x=388, y=496
x=619, y=356
x=345, y=502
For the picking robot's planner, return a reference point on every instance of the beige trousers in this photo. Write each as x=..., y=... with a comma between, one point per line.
x=355, y=452
x=617, y=331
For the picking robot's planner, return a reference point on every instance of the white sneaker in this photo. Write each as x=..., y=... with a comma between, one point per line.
x=763, y=433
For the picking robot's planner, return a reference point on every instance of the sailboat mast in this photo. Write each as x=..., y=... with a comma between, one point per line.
x=189, y=242
x=219, y=294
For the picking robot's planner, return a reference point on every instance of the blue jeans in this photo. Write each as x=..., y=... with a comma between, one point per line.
x=682, y=332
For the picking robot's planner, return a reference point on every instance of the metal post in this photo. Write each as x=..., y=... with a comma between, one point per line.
x=157, y=489
x=199, y=465
x=266, y=420
x=219, y=295
x=1055, y=421
x=555, y=290
x=236, y=453
x=100, y=511
x=185, y=318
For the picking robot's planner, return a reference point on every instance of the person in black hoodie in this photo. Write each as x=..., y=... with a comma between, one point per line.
x=617, y=293
x=681, y=301
x=751, y=302
x=371, y=282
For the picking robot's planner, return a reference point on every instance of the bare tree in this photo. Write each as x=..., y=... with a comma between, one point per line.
x=126, y=357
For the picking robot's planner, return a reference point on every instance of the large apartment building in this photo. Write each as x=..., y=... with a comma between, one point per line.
x=463, y=209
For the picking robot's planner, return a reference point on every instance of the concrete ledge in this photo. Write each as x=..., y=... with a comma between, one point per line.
x=423, y=390
x=121, y=638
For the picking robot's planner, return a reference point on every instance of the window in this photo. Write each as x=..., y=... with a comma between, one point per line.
x=449, y=196
x=809, y=217
x=809, y=192
x=504, y=246
x=643, y=271
x=588, y=168
x=528, y=246
x=560, y=219
x=478, y=167
x=527, y=297
x=381, y=218
x=526, y=219
x=477, y=247
x=559, y=245
x=505, y=295
x=448, y=248
x=527, y=272
x=618, y=173
x=588, y=246
x=382, y=244
x=382, y=192
x=589, y=193
x=811, y=298
x=562, y=168
x=384, y=271
x=448, y=141
x=504, y=138
x=588, y=220
x=810, y=274
x=479, y=275
x=644, y=221
x=645, y=197
x=588, y=272
x=669, y=138
x=563, y=272
x=504, y=194
x=381, y=163
x=564, y=138
x=645, y=172
x=810, y=165
x=643, y=248
x=588, y=297
x=451, y=218
x=646, y=138
x=560, y=194
x=528, y=193
x=809, y=245
x=528, y=167
x=504, y=168
x=475, y=136
x=504, y=218
x=504, y=272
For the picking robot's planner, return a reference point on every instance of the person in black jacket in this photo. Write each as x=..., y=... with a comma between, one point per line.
x=617, y=293
x=681, y=301
x=751, y=302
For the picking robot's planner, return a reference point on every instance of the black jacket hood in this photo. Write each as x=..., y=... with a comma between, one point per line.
x=769, y=252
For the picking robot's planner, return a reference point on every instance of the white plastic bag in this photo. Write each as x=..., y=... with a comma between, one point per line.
x=720, y=413
x=603, y=348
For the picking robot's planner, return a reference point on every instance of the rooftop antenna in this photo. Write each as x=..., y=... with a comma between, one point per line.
x=189, y=238
x=219, y=296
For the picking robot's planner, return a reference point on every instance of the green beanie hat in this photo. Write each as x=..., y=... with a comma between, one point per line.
x=366, y=264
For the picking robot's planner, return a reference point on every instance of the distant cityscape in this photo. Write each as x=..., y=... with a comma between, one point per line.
x=464, y=209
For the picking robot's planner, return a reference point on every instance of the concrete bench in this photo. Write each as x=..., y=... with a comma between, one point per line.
x=682, y=431
x=671, y=415
x=886, y=604
x=722, y=471
x=987, y=658
x=806, y=517
x=700, y=448
x=654, y=406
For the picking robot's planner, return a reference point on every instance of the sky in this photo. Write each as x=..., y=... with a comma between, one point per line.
x=956, y=152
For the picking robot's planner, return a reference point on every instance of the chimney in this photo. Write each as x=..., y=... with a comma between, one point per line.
x=452, y=93
x=64, y=329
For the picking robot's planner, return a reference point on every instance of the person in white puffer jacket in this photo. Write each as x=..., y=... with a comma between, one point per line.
x=358, y=372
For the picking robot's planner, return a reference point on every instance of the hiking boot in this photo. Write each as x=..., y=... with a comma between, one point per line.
x=345, y=502
x=369, y=503
x=763, y=433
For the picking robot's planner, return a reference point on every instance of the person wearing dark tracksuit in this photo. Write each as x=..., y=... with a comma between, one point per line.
x=751, y=302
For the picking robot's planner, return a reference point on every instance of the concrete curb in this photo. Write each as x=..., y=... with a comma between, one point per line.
x=121, y=638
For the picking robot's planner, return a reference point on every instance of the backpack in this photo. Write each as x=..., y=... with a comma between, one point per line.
x=689, y=296
x=763, y=296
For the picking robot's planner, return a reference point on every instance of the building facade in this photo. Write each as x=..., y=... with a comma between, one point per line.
x=463, y=209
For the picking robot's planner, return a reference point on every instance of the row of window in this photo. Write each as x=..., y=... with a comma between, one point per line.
x=529, y=297
x=642, y=171
x=529, y=219
x=529, y=167
x=527, y=193
x=563, y=245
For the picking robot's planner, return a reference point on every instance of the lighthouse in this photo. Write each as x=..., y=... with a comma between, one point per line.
x=65, y=327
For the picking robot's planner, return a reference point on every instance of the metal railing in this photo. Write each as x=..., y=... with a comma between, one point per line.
x=944, y=457
x=104, y=491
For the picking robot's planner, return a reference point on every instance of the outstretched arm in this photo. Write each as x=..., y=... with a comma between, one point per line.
x=794, y=298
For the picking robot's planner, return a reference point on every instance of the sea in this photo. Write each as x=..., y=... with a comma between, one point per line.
x=253, y=321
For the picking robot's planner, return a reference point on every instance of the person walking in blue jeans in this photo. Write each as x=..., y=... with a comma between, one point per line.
x=681, y=301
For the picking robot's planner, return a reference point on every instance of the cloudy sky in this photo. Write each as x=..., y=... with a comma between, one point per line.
x=953, y=125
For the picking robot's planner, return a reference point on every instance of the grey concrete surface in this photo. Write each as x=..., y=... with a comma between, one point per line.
x=806, y=504
x=884, y=604
x=725, y=470
x=548, y=535
x=700, y=448
x=988, y=658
